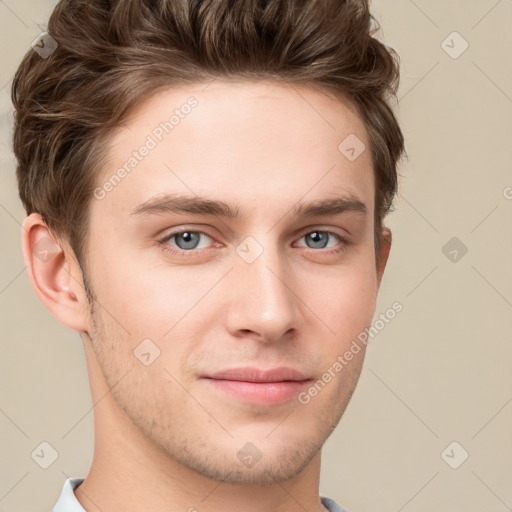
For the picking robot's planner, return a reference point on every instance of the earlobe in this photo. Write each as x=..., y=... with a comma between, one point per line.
x=53, y=273
x=385, y=248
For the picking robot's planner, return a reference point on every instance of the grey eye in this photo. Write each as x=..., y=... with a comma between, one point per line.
x=319, y=239
x=187, y=239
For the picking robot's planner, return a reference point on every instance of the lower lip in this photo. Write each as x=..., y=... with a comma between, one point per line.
x=266, y=393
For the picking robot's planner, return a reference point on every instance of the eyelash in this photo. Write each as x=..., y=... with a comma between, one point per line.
x=164, y=245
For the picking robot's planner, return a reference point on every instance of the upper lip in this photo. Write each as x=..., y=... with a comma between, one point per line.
x=251, y=374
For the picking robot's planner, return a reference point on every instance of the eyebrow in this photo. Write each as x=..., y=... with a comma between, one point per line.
x=173, y=203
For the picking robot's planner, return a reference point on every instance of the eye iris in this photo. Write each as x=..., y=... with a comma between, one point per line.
x=318, y=235
x=187, y=236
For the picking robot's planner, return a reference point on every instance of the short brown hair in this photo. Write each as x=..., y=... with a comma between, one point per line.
x=113, y=54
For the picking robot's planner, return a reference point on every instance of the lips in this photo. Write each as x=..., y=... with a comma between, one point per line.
x=258, y=386
x=251, y=374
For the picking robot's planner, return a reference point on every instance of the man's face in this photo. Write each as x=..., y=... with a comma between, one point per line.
x=266, y=288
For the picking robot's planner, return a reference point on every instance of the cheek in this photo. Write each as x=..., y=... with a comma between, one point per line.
x=149, y=300
x=343, y=299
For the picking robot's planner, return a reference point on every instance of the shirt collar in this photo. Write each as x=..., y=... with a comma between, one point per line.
x=67, y=500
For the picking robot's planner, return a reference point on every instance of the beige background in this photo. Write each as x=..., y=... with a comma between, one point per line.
x=440, y=372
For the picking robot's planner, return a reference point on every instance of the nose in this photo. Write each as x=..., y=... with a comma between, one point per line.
x=263, y=304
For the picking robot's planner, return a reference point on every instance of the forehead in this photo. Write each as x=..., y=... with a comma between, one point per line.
x=252, y=144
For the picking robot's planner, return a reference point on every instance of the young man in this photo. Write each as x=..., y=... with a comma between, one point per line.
x=205, y=184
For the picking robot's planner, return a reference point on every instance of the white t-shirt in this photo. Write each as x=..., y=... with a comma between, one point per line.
x=68, y=502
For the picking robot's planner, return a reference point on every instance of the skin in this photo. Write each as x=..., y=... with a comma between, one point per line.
x=164, y=438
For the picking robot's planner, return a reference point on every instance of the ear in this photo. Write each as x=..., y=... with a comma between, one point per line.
x=382, y=259
x=54, y=274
